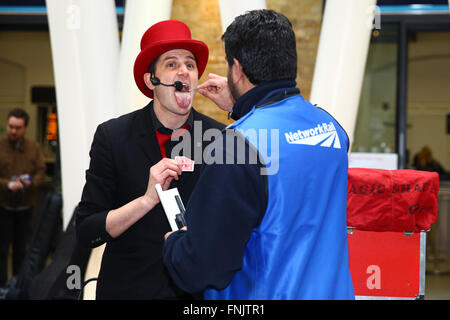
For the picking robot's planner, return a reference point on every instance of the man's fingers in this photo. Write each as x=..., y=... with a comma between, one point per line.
x=167, y=235
x=208, y=85
x=164, y=164
x=167, y=183
x=166, y=175
x=163, y=173
x=206, y=93
x=170, y=232
x=213, y=82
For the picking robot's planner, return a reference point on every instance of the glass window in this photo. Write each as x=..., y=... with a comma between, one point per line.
x=375, y=130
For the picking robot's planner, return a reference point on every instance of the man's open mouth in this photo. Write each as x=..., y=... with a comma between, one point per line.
x=185, y=88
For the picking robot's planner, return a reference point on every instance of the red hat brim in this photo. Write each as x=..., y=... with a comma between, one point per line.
x=153, y=51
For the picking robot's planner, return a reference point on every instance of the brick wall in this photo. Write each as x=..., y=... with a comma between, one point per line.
x=203, y=18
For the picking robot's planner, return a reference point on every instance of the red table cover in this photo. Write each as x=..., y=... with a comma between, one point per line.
x=392, y=200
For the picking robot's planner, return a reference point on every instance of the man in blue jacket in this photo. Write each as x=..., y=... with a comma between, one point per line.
x=267, y=219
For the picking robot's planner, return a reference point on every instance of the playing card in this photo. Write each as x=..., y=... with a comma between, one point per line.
x=185, y=163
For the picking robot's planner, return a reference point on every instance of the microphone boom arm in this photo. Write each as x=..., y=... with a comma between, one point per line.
x=177, y=84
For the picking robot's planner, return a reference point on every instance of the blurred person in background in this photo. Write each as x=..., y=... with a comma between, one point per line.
x=424, y=160
x=22, y=170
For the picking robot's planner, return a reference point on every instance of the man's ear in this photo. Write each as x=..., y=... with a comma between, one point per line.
x=237, y=71
x=147, y=81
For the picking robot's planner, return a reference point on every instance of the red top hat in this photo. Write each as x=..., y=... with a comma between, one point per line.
x=162, y=37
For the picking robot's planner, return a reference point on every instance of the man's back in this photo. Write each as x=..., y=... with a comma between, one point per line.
x=299, y=251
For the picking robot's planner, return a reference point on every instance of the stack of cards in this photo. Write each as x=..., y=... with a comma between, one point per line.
x=185, y=163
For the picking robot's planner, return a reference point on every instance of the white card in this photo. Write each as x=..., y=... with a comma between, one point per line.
x=170, y=205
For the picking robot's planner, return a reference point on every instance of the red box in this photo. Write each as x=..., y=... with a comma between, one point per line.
x=387, y=265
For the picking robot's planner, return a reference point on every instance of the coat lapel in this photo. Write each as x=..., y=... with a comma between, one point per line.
x=147, y=137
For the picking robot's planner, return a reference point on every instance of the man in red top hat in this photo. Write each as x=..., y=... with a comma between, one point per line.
x=132, y=153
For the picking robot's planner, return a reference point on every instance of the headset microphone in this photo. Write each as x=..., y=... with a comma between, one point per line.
x=177, y=84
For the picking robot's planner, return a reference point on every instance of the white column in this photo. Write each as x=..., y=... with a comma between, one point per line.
x=85, y=50
x=341, y=59
x=229, y=9
x=139, y=16
x=92, y=271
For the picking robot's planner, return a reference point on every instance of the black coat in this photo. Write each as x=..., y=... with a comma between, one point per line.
x=122, y=152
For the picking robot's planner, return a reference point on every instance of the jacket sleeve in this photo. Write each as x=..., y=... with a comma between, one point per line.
x=227, y=203
x=40, y=167
x=4, y=184
x=98, y=193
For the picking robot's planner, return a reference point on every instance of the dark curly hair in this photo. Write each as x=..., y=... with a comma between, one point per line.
x=19, y=113
x=263, y=41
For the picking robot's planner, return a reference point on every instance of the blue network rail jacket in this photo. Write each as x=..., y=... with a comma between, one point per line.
x=300, y=248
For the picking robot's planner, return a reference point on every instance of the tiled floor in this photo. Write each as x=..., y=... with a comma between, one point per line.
x=437, y=278
x=437, y=281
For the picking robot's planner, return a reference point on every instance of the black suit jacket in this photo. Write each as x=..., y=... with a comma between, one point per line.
x=122, y=152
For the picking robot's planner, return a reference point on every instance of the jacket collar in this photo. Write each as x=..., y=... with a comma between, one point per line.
x=145, y=126
x=147, y=138
x=157, y=125
x=261, y=94
x=17, y=145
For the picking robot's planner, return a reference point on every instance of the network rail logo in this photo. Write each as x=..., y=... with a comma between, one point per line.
x=324, y=135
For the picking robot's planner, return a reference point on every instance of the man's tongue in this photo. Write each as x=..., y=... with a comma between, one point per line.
x=183, y=99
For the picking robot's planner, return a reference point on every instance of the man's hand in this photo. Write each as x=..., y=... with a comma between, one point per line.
x=161, y=173
x=15, y=185
x=25, y=179
x=216, y=89
x=120, y=219
x=170, y=232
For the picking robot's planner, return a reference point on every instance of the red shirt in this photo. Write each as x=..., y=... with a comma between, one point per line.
x=163, y=138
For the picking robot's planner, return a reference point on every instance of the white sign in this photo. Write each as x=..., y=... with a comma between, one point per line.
x=387, y=161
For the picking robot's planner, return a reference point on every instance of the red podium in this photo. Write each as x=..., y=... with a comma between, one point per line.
x=388, y=214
